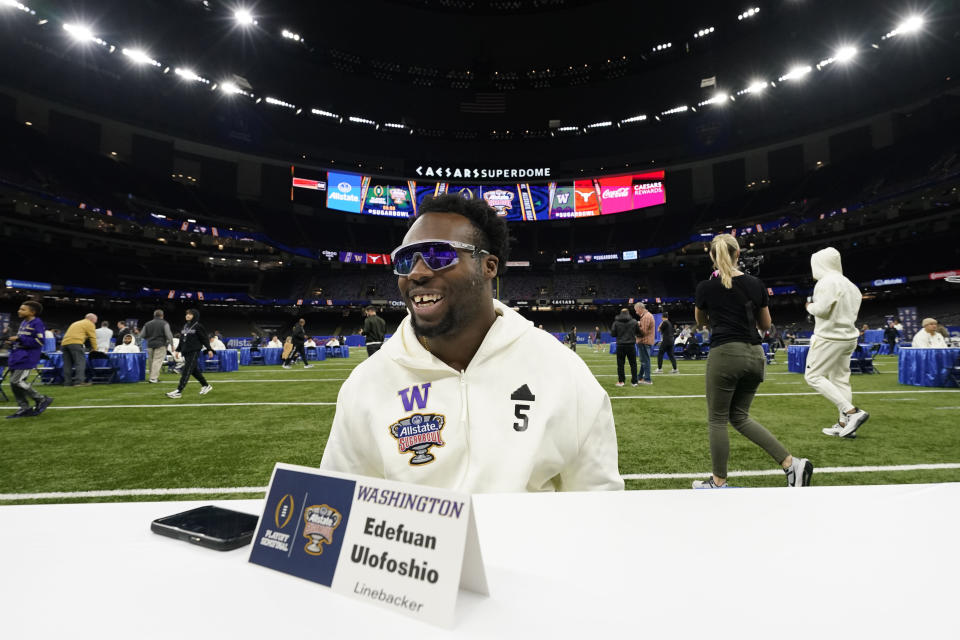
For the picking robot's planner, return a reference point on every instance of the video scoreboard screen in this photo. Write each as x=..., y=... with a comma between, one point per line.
x=515, y=202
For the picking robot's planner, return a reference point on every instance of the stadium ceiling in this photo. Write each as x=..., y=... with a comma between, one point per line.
x=456, y=68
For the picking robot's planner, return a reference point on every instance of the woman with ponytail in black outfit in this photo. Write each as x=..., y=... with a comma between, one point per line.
x=734, y=304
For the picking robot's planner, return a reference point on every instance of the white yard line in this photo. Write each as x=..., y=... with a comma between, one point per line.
x=179, y=491
x=173, y=404
x=806, y=393
x=777, y=472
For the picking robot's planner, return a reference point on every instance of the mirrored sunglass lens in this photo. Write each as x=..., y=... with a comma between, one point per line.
x=439, y=256
x=435, y=256
x=403, y=262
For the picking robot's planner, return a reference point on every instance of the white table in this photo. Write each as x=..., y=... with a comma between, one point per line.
x=823, y=562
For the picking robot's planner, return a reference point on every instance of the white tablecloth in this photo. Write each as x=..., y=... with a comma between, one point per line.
x=824, y=562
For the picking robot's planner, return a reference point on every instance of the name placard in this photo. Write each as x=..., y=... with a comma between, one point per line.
x=402, y=546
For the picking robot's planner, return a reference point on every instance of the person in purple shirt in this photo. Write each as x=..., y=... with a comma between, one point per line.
x=27, y=347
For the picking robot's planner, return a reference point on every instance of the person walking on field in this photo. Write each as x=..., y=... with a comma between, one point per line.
x=645, y=339
x=735, y=305
x=624, y=331
x=26, y=351
x=374, y=329
x=666, y=344
x=834, y=305
x=158, y=337
x=193, y=340
x=298, y=336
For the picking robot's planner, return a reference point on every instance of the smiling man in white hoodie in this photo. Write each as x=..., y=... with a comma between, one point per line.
x=835, y=305
x=467, y=394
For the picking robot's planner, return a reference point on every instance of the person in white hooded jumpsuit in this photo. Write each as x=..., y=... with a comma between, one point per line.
x=835, y=305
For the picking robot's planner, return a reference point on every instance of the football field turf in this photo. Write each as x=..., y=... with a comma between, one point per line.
x=126, y=442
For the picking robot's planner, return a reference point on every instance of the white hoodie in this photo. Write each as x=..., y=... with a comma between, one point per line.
x=836, y=300
x=526, y=415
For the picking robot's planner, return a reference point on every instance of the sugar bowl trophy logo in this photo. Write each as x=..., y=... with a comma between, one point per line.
x=501, y=201
x=418, y=433
x=320, y=521
x=398, y=195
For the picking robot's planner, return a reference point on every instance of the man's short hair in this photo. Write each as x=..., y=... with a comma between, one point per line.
x=665, y=315
x=927, y=321
x=121, y=322
x=105, y=323
x=370, y=308
x=491, y=233
x=158, y=313
x=34, y=306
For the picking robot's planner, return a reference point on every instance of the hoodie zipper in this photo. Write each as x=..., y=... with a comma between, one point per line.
x=463, y=399
x=465, y=422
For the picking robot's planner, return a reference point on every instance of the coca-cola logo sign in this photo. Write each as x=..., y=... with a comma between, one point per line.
x=621, y=192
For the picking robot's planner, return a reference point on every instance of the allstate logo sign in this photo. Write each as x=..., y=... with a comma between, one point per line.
x=344, y=187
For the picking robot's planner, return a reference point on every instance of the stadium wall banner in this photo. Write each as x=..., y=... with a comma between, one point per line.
x=306, y=183
x=885, y=282
x=26, y=284
x=940, y=275
x=346, y=191
x=404, y=547
x=473, y=172
x=596, y=257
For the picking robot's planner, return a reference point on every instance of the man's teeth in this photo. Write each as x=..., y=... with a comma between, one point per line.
x=427, y=299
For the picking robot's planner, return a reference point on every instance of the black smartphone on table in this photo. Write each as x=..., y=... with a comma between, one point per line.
x=209, y=526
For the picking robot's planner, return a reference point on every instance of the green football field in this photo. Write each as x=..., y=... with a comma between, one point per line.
x=126, y=442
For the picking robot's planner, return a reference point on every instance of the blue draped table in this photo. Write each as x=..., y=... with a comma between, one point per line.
x=927, y=367
x=797, y=356
x=316, y=353
x=229, y=361
x=271, y=355
x=885, y=348
x=127, y=367
x=872, y=336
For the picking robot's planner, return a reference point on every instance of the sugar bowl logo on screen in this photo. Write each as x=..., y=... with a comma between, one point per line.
x=500, y=200
x=320, y=521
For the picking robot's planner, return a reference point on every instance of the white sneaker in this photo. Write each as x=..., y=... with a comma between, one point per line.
x=832, y=431
x=799, y=473
x=308, y=366
x=854, y=422
x=708, y=484
x=173, y=394
x=659, y=371
x=675, y=371
x=205, y=390
x=286, y=366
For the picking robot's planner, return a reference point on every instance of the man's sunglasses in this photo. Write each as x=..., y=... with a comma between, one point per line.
x=436, y=254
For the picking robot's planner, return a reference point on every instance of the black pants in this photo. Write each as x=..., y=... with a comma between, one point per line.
x=190, y=366
x=373, y=348
x=629, y=352
x=297, y=348
x=73, y=357
x=668, y=350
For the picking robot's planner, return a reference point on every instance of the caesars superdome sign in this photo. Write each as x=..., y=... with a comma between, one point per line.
x=445, y=172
